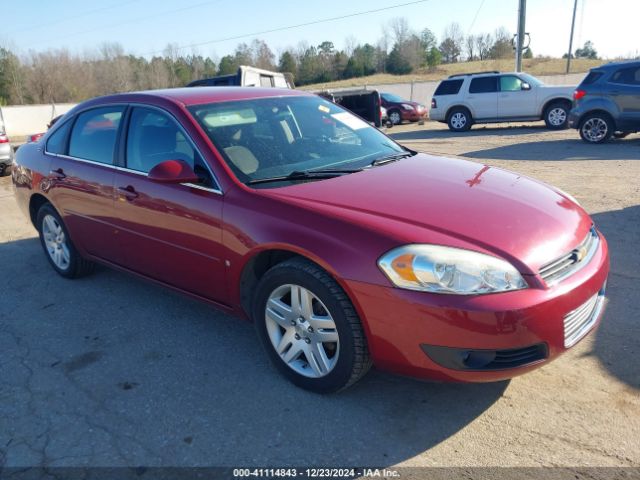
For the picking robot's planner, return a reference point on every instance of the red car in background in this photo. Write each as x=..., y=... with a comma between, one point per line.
x=400, y=110
x=344, y=248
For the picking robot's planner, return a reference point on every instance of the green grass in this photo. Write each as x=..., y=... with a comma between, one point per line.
x=534, y=66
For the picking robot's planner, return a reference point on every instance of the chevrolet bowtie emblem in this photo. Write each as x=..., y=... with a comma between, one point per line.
x=580, y=253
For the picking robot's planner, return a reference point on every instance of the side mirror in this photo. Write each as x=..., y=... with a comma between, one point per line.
x=526, y=86
x=173, y=171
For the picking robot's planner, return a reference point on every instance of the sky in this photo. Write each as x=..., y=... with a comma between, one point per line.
x=145, y=27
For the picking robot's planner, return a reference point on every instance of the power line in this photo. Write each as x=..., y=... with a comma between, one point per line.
x=134, y=20
x=475, y=17
x=66, y=19
x=290, y=27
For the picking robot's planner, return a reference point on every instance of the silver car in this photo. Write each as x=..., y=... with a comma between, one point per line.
x=6, y=153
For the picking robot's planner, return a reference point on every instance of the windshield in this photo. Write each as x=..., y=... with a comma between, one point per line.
x=276, y=136
x=390, y=97
x=533, y=81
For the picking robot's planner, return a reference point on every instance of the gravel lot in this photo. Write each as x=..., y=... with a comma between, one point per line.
x=112, y=371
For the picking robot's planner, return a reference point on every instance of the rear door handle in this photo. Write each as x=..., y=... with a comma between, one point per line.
x=58, y=174
x=129, y=192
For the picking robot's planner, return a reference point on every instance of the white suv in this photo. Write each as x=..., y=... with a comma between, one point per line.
x=491, y=97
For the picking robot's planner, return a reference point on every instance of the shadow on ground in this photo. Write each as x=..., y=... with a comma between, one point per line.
x=110, y=370
x=617, y=344
x=428, y=133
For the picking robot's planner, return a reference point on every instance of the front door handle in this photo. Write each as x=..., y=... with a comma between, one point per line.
x=129, y=192
x=58, y=174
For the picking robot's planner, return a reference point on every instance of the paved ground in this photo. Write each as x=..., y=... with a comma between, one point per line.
x=110, y=370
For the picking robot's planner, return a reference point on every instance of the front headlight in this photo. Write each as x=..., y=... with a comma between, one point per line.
x=438, y=269
x=407, y=106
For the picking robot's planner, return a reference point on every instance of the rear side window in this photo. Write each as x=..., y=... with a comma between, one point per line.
x=57, y=142
x=449, y=87
x=627, y=76
x=484, y=85
x=592, y=78
x=94, y=134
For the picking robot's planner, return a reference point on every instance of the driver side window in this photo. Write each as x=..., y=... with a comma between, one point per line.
x=510, y=83
x=154, y=137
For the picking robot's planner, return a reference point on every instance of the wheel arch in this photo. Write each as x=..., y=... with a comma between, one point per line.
x=553, y=100
x=35, y=203
x=259, y=261
x=458, y=106
x=600, y=111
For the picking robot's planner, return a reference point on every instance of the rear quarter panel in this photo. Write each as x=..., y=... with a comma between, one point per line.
x=30, y=175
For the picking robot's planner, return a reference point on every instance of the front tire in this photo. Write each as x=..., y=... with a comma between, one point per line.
x=459, y=120
x=596, y=128
x=309, y=327
x=556, y=116
x=57, y=245
x=395, y=117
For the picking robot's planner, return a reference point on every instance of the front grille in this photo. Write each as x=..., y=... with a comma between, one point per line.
x=580, y=321
x=571, y=262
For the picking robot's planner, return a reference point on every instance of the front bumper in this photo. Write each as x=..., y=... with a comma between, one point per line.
x=413, y=115
x=404, y=326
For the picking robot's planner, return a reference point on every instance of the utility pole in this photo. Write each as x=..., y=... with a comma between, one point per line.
x=522, y=13
x=573, y=24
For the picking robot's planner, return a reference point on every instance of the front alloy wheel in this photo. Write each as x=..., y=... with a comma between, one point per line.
x=395, y=117
x=556, y=117
x=309, y=327
x=302, y=331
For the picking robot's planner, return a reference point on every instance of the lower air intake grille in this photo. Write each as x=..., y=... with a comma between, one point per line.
x=581, y=320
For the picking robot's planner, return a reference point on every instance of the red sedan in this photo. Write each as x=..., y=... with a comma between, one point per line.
x=344, y=248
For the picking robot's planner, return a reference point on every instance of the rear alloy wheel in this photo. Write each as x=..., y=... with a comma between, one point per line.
x=459, y=120
x=395, y=117
x=309, y=327
x=556, y=116
x=59, y=249
x=596, y=128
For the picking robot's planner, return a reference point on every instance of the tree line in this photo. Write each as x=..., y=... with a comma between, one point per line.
x=60, y=76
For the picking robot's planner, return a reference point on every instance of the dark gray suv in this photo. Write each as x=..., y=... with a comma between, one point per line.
x=607, y=102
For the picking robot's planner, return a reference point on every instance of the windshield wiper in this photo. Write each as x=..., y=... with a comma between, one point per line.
x=304, y=175
x=393, y=157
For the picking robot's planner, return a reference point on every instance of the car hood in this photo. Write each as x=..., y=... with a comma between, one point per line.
x=565, y=90
x=427, y=199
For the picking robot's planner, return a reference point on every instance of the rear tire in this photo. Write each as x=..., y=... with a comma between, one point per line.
x=459, y=120
x=596, y=128
x=620, y=135
x=57, y=245
x=319, y=345
x=556, y=116
x=5, y=170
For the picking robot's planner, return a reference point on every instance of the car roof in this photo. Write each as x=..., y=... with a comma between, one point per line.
x=628, y=63
x=201, y=95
